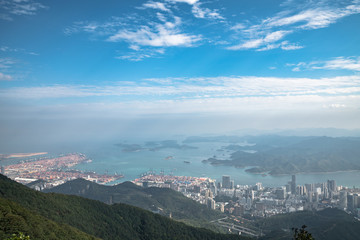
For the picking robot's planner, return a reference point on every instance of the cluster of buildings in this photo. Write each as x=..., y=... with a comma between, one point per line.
x=53, y=171
x=259, y=201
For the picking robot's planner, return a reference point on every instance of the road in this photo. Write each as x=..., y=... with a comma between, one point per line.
x=236, y=227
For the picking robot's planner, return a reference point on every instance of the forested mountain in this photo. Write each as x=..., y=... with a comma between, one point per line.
x=14, y=218
x=118, y=221
x=162, y=200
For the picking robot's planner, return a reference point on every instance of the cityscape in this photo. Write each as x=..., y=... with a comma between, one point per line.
x=53, y=171
x=225, y=196
x=256, y=200
x=242, y=205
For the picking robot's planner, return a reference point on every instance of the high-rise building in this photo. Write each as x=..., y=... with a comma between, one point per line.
x=331, y=184
x=343, y=199
x=280, y=193
x=309, y=187
x=232, y=184
x=310, y=195
x=287, y=187
x=316, y=195
x=293, y=184
x=258, y=186
x=226, y=181
x=350, y=201
x=213, y=188
x=239, y=210
x=2, y=170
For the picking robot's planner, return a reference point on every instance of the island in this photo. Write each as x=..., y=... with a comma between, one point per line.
x=290, y=155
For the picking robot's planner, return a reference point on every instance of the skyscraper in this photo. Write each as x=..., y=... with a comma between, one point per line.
x=226, y=181
x=343, y=199
x=331, y=184
x=293, y=184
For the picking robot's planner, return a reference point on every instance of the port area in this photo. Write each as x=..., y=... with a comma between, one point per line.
x=53, y=171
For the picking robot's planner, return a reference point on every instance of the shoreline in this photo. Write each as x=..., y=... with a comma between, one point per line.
x=21, y=155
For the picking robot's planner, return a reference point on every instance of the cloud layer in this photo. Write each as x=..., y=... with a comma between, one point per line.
x=19, y=7
x=194, y=95
x=338, y=63
x=295, y=17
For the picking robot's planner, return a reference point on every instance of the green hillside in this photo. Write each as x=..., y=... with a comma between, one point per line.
x=328, y=224
x=162, y=200
x=118, y=221
x=14, y=218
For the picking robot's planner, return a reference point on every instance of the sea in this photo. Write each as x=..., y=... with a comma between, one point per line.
x=112, y=159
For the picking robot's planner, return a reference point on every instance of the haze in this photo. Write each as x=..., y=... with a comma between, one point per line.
x=80, y=71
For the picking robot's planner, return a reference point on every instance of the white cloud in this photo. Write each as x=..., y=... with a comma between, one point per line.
x=160, y=35
x=341, y=63
x=267, y=40
x=238, y=26
x=141, y=54
x=14, y=7
x=156, y=5
x=5, y=77
x=199, y=88
x=191, y=2
x=313, y=18
x=6, y=63
x=200, y=12
x=315, y=15
x=251, y=101
x=285, y=45
x=338, y=63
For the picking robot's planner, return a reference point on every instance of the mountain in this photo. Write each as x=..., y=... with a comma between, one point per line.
x=289, y=155
x=328, y=224
x=162, y=200
x=14, y=218
x=118, y=221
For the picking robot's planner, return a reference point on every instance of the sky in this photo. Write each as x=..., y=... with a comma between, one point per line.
x=116, y=67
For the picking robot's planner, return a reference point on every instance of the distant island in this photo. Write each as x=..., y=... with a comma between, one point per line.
x=153, y=146
x=277, y=155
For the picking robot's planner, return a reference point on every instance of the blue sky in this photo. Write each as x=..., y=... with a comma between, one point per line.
x=258, y=64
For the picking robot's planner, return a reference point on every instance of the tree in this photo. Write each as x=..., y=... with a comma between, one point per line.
x=302, y=234
x=19, y=236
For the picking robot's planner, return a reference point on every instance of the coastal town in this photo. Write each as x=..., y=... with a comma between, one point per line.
x=240, y=202
x=257, y=200
x=52, y=171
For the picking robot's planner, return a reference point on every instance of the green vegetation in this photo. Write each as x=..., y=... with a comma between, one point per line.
x=14, y=218
x=302, y=234
x=162, y=200
x=118, y=221
x=328, y=224
x=20, y=236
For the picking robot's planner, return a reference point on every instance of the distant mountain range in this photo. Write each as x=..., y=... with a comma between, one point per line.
x=50, y=215
x=288, y=155
x=160, y=200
